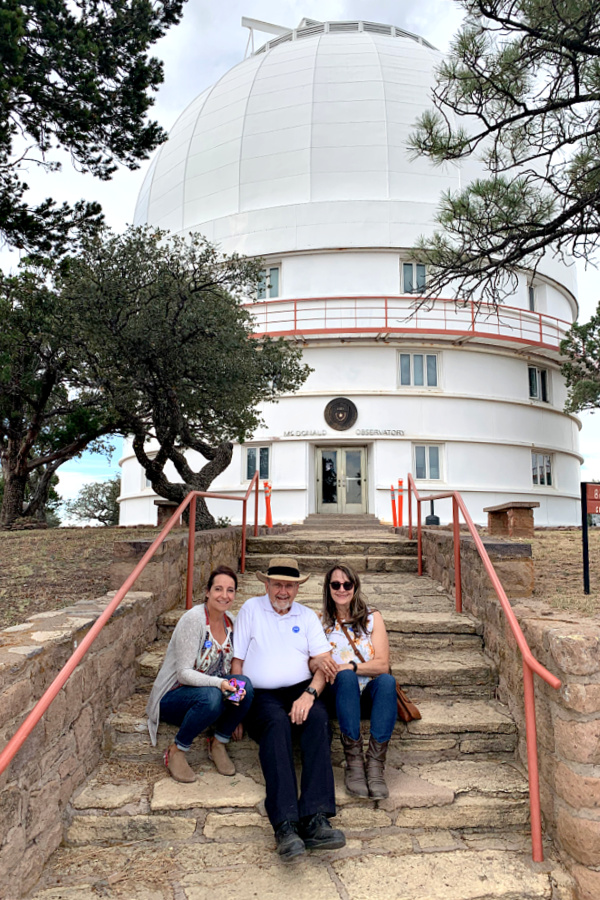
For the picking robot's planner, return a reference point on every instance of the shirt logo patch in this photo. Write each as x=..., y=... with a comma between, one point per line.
x=295, y=629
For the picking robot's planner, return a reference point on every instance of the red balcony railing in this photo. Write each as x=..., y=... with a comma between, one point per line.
x=403, y=315
x=21, y=735
x=530, y=663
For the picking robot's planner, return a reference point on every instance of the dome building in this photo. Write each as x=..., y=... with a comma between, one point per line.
x=299, y=155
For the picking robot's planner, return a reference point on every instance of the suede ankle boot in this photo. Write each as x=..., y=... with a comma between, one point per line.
x=354, y=777
x=177, y=764
x=376, y=754
x=217, y=753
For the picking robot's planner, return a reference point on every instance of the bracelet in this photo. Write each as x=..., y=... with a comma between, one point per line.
x=353, y=664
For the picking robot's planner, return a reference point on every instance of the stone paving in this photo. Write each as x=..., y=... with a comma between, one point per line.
x=455, y=826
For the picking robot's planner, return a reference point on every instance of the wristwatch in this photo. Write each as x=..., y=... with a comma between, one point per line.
x=311, y=690
x=353, y=664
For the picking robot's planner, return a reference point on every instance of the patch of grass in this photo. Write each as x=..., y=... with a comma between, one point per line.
x=45, y=570
x=558, y=561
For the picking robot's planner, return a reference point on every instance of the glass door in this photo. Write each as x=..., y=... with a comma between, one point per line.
x=341, y=480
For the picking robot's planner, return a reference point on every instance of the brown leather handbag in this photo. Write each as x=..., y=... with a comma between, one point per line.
x=407, y=710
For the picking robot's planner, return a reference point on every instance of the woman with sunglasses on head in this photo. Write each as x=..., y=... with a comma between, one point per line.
x=360, y=685
x=193, y=688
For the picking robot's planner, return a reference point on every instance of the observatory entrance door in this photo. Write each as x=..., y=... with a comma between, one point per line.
x=341, y=480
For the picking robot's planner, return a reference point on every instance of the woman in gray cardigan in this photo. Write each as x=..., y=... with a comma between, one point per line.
x=192, y=688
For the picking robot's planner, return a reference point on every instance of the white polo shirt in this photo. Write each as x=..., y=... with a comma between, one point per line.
x=276, y=649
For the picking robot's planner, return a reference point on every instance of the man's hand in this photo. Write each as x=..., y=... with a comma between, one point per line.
x=301, y=708
x=326, y=665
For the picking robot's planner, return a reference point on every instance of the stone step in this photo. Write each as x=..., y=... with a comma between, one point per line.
x=257, y=562
x=448, y=729
x=337, y=547
x=454, y=794
x=233, y=854
x=447, y=673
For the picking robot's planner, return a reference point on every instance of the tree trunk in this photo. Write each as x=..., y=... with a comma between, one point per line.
x=14, y=498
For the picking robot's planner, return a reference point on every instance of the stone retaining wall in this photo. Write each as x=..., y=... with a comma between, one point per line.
x=67, y=744
x=568, y=720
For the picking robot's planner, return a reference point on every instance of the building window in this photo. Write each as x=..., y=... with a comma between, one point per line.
x=428, y=462
x=257, y=459
x=538, y=383
x=413, y=278
x=418, y=370
x=531, y=297
x=268, y=286
x=541, y=468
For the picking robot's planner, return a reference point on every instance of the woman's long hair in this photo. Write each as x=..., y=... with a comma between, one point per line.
x=358, y=612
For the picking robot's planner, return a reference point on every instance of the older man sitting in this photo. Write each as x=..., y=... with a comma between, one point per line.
x=274, y=639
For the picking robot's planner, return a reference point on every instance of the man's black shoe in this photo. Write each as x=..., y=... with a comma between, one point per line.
x=317, y=833
x=289, y=842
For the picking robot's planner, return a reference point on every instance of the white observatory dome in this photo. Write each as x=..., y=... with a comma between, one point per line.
x=303, y=146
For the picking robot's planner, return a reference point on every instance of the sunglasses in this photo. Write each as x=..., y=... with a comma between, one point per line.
x=336, y=585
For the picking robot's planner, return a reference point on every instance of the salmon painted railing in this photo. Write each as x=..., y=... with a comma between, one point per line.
x=530, y=663
x=21, y=735
x=405, y=315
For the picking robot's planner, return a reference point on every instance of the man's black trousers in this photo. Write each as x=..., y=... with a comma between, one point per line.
x=270, y=726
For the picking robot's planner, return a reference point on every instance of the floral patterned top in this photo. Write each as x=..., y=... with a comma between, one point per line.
x=342, y=651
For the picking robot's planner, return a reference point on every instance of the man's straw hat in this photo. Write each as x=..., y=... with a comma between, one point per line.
x=282, y=568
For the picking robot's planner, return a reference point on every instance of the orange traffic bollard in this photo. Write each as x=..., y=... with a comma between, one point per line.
x=400, y=503
x=394, y=519
x=268, y=515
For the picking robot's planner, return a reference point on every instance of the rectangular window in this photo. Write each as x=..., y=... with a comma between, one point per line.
x=531, y=297
x=414, y=277
x=541, y=468
x=428, y=462
x=268, y=285
x=418, y=370
x=257, y=458
x=538, y=383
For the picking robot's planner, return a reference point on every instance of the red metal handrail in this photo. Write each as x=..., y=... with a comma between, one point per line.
x=530, y=663
x=23, y=732
x=364, y=314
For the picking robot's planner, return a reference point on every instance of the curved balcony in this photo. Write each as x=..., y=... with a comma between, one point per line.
x=387, y=317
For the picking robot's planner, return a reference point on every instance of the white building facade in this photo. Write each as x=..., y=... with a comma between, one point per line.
x=298, y=155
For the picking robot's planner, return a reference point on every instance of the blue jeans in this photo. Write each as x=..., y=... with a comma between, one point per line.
x=377, y=702
x=195, y=708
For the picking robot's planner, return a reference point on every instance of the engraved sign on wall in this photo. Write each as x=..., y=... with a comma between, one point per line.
x=341, y=414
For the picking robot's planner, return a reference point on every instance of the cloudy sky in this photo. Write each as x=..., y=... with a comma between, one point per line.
x=208, y=42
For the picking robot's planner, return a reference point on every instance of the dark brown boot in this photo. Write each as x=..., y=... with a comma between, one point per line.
x=354, y=779
x=376, y=754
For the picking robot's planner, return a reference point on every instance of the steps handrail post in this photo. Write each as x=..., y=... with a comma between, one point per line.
x=537, y=849
x=457, y=568
x=189, y=589
x=243, y=555
x=409, y=510
x=400, y=502
x=256, y=494
x=419, y=538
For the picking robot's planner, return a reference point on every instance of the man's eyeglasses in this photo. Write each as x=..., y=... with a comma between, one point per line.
x=336, y=585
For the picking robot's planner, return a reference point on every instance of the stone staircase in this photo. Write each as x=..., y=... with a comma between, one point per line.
x=454, y=827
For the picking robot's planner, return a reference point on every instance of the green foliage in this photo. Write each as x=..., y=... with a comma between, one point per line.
x=582, y=368
x=168, y=340
x=48, y=511
x=77, y=75
x=49, y=410
x=520, y=90
x=96, y=502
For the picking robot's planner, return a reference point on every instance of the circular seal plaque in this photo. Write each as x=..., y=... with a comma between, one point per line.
x=341, y=413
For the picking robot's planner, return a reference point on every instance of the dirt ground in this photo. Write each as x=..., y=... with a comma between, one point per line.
x=558, y=561
x=44, y=570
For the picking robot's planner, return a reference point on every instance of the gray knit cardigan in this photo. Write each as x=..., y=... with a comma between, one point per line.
x=178, y=666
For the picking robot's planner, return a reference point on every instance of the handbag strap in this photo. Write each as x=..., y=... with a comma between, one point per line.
x=350, y=640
